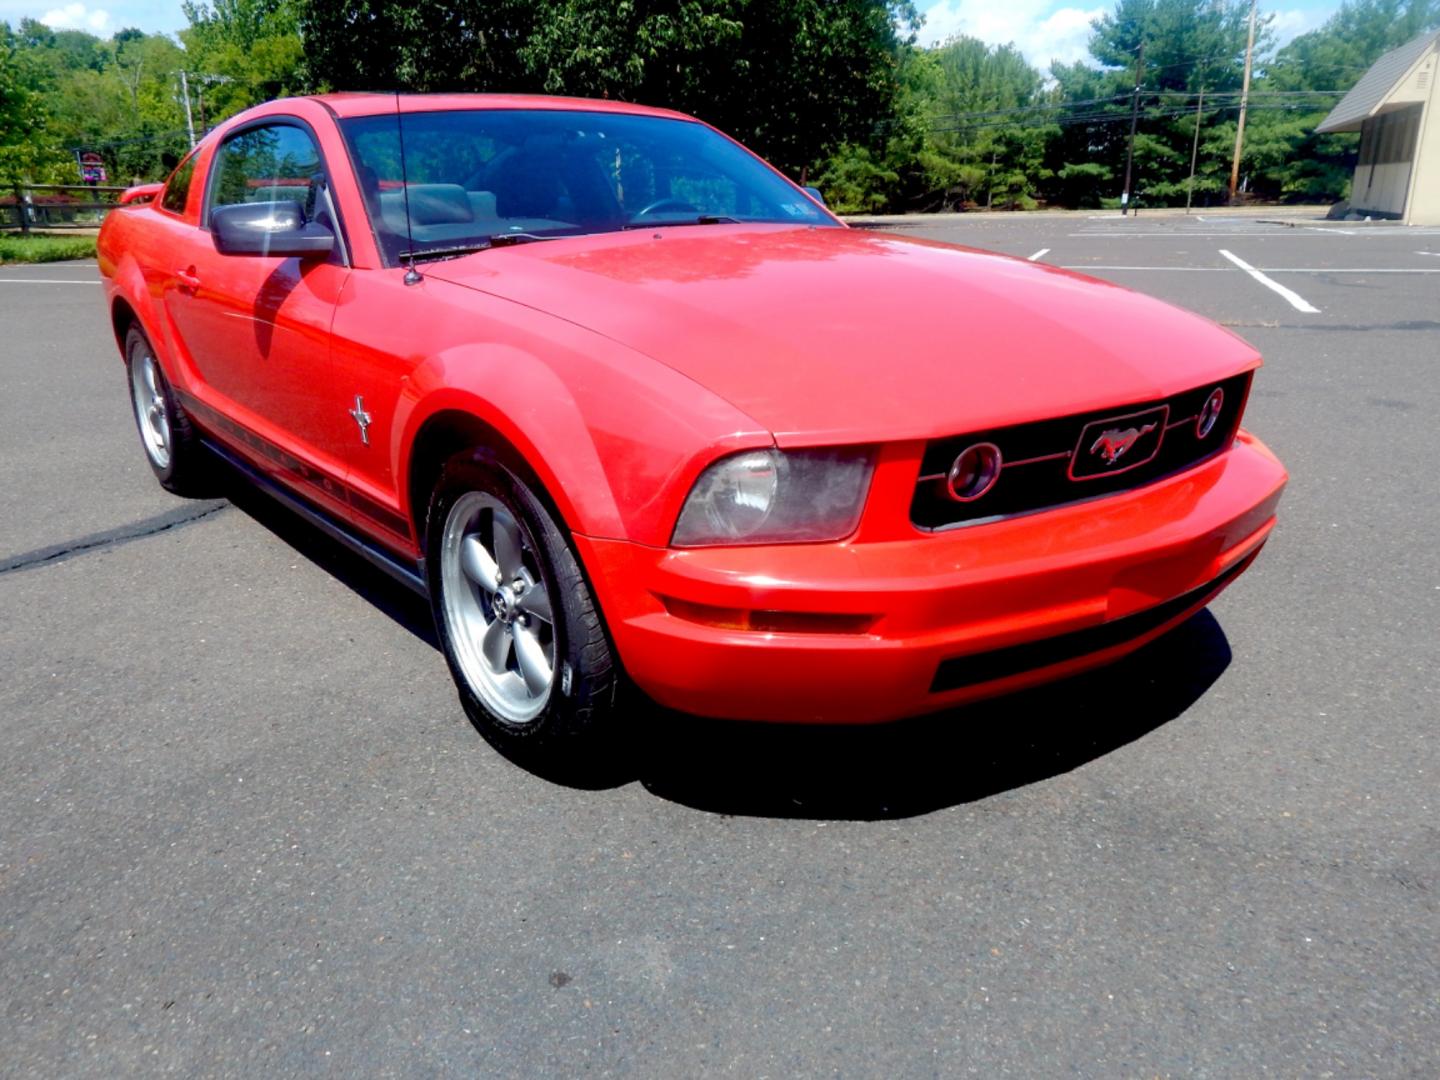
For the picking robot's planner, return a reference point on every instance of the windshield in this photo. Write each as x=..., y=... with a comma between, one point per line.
x=531, y=174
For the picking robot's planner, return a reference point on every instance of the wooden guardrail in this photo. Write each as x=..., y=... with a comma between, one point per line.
x=57, y=206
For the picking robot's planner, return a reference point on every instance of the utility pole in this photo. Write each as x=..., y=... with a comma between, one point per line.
x=185, y=93
x=1244, y=100
x=1194, y=150
x=1134, y=118
x=201, y=80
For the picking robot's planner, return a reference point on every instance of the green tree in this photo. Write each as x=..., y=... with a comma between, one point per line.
x=1339, y=52
x=118, y=97
x=1284, y=157
x=792, y=78
x=419, y=45
x=239, y=53
x=25, y=153
x=999, y=157
x=1189, y=46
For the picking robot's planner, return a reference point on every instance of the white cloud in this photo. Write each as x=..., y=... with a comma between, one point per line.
x=77, y=17
x=1041, y=34
x=1046, y=33
x=1288, y=25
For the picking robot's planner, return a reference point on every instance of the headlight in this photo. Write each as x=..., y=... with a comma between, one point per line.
x=777, y=497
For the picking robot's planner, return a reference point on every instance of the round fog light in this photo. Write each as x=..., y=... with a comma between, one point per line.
x=974, y=472
x=1209, y=413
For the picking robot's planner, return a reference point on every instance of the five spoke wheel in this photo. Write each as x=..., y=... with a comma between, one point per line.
x=150, y=413
x=518, y=624
x=497, y=607
x=172, y=445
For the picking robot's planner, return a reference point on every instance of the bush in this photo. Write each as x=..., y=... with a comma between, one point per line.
x=17, y=248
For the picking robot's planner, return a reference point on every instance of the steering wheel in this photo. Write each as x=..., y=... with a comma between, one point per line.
x=668, y=203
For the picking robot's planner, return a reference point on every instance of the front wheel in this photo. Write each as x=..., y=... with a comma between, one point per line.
x=520, y=628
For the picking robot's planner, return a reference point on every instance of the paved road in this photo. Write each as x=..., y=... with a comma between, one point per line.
x=246, y=830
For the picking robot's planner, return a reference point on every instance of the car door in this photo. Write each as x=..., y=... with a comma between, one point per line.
x=256, y=328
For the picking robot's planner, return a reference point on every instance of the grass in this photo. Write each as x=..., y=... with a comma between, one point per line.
x=37, y=248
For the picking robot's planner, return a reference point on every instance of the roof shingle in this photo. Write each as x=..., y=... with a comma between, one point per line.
x=1366, y=95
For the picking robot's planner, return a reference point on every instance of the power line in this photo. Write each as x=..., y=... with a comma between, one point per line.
x=1020, y=110
x=1167, y=98
x=1035, y=108
x=1097, y=119
x=108, y=143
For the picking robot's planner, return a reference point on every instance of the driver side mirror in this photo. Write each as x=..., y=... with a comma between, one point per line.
x=814, y=193
x=273, y=229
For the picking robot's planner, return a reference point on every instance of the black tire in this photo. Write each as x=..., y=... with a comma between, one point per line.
x=182, y=466
x=577, y=736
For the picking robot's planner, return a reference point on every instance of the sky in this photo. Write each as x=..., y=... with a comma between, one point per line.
x=1044, y=30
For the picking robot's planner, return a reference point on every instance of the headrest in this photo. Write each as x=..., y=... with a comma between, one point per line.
x=439, y=204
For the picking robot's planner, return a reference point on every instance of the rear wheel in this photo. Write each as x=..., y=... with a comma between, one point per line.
x=518, y=623
x=171, y=444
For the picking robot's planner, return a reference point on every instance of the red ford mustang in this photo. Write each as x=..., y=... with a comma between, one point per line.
x=633, y=409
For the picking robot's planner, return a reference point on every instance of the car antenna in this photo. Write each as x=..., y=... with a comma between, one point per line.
x=412, y=276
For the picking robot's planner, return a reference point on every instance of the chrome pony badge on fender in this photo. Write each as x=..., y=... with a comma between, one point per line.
x=1118, y=443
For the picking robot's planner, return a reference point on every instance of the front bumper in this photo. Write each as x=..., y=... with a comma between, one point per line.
x=879, y=630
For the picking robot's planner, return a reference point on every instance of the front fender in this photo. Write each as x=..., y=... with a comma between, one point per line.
x=554, y=441
x=616, y=438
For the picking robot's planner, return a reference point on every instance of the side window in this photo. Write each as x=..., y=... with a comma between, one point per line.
x=177, y=189
x=275, y=163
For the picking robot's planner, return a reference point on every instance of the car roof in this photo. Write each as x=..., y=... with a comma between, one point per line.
x=348, y=104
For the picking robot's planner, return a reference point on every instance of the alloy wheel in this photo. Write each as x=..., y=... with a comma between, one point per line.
x=148, y=387
x=497, y=607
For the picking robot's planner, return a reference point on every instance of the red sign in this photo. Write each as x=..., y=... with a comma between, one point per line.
x=92, y=167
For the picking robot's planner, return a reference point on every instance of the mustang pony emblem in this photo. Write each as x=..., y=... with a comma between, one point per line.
x=1113, y=443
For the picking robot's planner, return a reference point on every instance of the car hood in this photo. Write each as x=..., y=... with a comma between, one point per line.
x=840, y=335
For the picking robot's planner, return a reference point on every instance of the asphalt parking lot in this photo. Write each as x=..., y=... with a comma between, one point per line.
x=245, y=828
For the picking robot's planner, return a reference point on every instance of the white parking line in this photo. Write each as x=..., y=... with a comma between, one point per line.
x=48, y=267
x=1295, y=300
x=1266, y=269
x=1178, y=269
x=1039, y=254
x=48, y=281
x=1215, y=234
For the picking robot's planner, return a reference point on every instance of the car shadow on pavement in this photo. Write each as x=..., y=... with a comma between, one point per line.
x=405, y=607
x=929, y=763
x=840, y=772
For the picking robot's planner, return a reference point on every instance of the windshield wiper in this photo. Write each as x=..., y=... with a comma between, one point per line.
x=484, y=243
x=703, y=219
x=510, y=239
x=443, y=253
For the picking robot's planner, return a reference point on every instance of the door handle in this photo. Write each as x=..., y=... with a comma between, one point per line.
x=188, y=278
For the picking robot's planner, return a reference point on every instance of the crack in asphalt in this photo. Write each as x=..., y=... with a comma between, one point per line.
x=138, y=530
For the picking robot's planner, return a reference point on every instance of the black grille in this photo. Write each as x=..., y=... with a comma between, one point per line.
x=1053, y=462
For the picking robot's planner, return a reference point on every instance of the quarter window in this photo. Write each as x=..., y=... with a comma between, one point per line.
x=177, y=188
